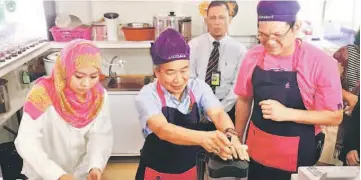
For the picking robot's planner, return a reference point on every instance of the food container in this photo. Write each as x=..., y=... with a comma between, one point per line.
x=99, y=32
x=138, y=32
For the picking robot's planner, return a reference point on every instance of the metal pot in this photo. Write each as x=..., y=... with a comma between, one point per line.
x=4, y=96
x=183, y=24
x=49, y=62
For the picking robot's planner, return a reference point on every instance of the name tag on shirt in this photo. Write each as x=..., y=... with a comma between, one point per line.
x=216, y=78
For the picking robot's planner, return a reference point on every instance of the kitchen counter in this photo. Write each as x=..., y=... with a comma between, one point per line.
x=17, y=101
x=131, y=82
x=128, y=137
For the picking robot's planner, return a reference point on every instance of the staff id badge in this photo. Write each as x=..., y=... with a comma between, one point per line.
x=216, y=78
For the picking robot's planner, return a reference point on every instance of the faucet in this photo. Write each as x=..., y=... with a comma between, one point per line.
x=113, y=76
x=121, y=63
x=111, y=65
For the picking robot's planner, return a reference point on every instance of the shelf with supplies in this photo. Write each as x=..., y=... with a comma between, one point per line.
x=17, y=101
x=15, y=62
x=110, y=44
x=17, y=98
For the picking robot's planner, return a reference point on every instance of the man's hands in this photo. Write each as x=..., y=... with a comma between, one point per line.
x=218, y=143
x=239, y=150
x=274, y=110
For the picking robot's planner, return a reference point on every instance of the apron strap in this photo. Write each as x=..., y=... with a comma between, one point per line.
x=296, y=54
x=162, y=97
x=161, y=94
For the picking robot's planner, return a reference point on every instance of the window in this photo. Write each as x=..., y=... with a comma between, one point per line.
x=342, y=12
x=21, y=20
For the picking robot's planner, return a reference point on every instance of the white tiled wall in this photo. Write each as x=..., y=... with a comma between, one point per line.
x=244, y=24
x=138, y=61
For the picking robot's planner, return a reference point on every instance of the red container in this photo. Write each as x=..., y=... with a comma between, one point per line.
x=65, y=34
x=139, y=34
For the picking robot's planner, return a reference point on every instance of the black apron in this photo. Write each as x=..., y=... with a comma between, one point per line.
x=162, y=160
x=277, y=149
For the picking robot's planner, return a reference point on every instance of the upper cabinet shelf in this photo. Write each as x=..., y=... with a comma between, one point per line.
x=111, y=45
x=10, y=65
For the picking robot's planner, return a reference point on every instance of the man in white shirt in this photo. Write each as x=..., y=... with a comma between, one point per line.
x=216, y=57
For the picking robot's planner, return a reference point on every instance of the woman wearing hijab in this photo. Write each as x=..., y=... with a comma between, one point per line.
x=65, y=132
x=294, y=89
x=348, y=58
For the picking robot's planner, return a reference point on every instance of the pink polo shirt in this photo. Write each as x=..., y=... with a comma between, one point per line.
x=317, y=76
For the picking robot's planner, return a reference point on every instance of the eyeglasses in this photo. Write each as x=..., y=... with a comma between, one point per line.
x=278, y=37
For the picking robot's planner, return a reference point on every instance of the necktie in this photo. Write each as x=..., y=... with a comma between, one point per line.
x=212, y=64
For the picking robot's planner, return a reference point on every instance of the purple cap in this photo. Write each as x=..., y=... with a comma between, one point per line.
x=169, y=46
x=281, y=10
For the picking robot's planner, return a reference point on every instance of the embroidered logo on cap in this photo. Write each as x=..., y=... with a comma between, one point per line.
x=266, y=17
x=176, y=56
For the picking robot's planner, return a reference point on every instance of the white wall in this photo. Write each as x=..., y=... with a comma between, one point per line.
x=138, y=61
x=244, y=24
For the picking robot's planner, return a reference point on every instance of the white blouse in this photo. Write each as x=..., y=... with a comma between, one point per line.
x=50, y=147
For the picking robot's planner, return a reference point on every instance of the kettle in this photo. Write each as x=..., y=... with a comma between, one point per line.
x=185, y=28
x=182, y=24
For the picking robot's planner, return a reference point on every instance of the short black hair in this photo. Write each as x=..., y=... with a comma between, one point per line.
x=218, y=3
x=292, y=24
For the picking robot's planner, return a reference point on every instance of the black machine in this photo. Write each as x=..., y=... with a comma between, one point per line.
x=219, y=168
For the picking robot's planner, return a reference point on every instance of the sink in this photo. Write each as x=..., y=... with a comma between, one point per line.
x=125, y=82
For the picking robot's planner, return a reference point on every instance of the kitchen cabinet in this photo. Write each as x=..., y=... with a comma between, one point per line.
x=128, y=137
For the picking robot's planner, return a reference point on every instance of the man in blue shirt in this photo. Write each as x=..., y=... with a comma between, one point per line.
x=169, y=112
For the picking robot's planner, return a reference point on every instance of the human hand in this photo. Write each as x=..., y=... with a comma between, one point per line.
x=66, y=177
x=352, y=158
x=274, y=110
x=217, y=143
x=94, y=174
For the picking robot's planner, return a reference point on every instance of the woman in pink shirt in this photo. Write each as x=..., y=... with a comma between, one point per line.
x=294, y=87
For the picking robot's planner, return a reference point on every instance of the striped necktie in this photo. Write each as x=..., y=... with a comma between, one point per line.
x=212, y=64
